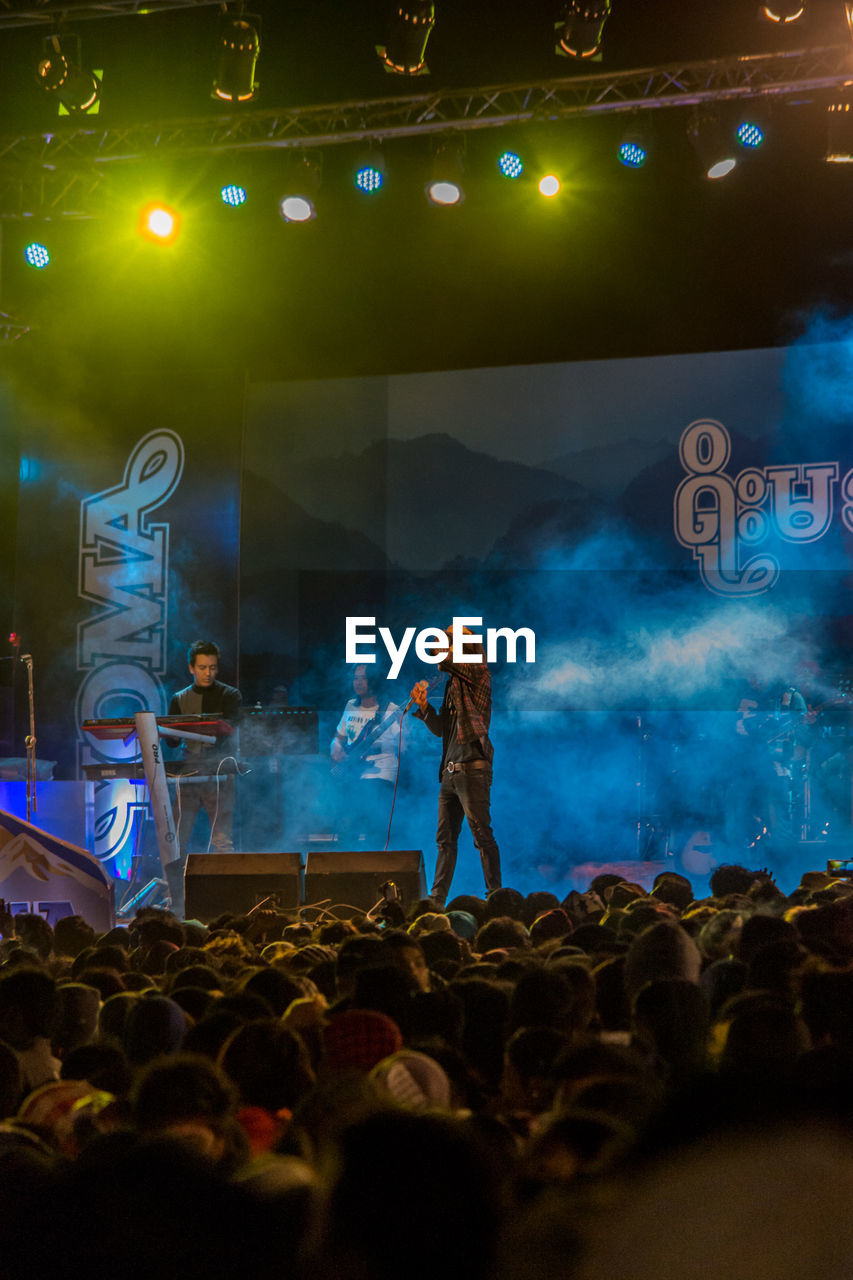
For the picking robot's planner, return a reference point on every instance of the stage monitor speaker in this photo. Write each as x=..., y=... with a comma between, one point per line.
x=354, y=879
x=218, y=882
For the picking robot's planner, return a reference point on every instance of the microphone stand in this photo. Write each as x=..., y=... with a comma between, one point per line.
x=30, y=740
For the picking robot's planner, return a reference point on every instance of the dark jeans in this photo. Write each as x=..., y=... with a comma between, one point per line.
x=465, y=793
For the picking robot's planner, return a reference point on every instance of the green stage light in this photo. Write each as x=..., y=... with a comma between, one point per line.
x=369, y=179
x=510, y=164
x=37, y=255
x=233, y=195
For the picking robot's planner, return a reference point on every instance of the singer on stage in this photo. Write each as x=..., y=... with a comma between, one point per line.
x=215, y=794
x=465, y=772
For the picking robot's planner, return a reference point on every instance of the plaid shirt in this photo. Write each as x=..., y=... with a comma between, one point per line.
x=469, y=689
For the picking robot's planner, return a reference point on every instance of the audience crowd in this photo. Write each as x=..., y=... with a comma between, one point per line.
x=622, y=1084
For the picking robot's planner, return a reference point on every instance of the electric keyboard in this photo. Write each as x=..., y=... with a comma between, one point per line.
x=123, y=727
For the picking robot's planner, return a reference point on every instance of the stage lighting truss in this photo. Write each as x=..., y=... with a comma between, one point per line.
x=61, y=73
x=580, y=28
x=304, y=175
x=445, y=185
x=713, y=146
x=404, y=53
x=62, y=172
x=239, y=47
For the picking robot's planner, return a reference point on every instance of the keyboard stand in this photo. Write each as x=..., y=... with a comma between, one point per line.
x=151, y=751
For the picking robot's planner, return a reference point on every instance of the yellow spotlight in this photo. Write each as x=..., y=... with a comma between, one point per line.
x=549, y=185
x=159, y=223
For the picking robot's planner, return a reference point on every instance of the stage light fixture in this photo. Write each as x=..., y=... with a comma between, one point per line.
x=510, y=164
x=303, y=183
x=784, y=11
x=239, y=46
x=369, y=176
x=37, y=255
x=633, y=149
x=580, y=27
x=61, y=73
x=411, y=23
x=839, y=141
x=159, y=223
x=714, y=149
x=750, y=133
x=549, y=186
x=445, y=186
x=233, y=195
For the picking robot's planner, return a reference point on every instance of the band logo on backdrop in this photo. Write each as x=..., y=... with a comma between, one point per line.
x=723, y=519
x=124, y=573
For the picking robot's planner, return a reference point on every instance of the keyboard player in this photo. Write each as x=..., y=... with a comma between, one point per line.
x=214, y=789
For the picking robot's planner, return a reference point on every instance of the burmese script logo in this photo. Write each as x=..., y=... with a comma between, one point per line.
x=723, y=519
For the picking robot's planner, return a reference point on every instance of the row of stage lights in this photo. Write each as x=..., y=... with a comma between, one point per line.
x=578, y=34
x=161, y=223
x=62, y=73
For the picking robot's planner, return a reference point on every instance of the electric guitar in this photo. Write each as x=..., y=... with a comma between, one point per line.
x=356, y=752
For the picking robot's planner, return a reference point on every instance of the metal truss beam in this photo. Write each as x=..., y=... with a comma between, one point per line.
x=47, y=13
x=11, y=329
x=42, y=173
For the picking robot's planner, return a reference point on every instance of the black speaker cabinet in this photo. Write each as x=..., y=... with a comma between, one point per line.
x=354, y=879
x=218, y=882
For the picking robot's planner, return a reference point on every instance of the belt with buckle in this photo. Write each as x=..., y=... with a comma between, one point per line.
x=454, y=767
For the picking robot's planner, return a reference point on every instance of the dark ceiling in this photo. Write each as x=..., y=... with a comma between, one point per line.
x=619, y=264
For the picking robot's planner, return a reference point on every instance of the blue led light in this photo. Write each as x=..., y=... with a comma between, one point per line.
x=510, y=164
x=632, y=155
x=369, y=179
x=37, y=255
x=233, y=195
x=749, y=134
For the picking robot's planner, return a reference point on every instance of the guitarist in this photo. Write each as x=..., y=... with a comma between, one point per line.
x=365, y=763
